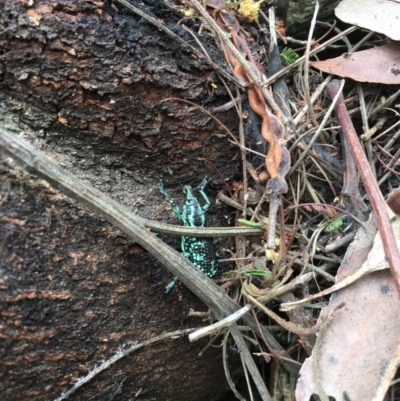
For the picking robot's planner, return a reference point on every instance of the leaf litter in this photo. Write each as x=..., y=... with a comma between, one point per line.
x=363, y=337
x=365, y=303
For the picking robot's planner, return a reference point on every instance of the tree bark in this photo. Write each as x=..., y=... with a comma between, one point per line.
x=83, y=80
x=300, y=14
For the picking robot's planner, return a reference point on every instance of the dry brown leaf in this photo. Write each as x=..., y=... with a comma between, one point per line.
x=329, y=210
x=379, y=64
x=376, y=15
x=362, y=339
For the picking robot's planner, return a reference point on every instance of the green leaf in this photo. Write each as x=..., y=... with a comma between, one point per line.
x=250, y=223
x=333, y=225
x=255, y=272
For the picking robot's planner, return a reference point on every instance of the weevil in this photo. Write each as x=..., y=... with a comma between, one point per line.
x=200, y=251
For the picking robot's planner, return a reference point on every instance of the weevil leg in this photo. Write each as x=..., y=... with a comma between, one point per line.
x=175, y=207
x=171, y=285
x=201, y=188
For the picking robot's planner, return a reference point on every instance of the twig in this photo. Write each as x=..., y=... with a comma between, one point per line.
x=375, y=196
x=388, y=144
x=250, y=364
x=368, y=145
x=307, y=66
x=246, y=375
x=120, y=354
x=243, y=156
x=289, y=326
x=362, y=41
x=338, y=30
x=274, y=202
x=352, y=278
x=205, y=331
x=393, y=138
x=340, y=242
x=313, y=99
x=317, y=132
x=228, y=105
x=388, y=167
x=331, y=206
x=226, y=370
x=251, y=151
x=386, y=103
x=176, y=99
x=363, y=108
x=275, y=292
x=350, y=189
x=231, y=202
x=211, y=232
x=272, y=25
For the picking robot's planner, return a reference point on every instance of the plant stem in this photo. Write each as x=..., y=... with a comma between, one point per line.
x=371, y=186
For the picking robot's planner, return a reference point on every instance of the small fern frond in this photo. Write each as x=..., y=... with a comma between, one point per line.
x=289, y=55
x=333, y=225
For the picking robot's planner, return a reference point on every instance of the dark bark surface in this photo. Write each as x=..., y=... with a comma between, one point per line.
x=83, y=80
x=74, y=290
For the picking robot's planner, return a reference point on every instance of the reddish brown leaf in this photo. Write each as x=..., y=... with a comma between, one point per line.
x=230, y=21
x=330, y=211
x=380, y=65
x=215, y=3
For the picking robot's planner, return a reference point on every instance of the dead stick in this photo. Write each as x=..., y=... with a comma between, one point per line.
x=371, y=186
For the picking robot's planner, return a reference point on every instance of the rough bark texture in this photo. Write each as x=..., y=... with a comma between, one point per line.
x=301, y=12
x=82, y=80
x=74, y=290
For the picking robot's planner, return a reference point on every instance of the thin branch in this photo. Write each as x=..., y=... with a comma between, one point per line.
x=205, y=331
x=250, y=364
x=226, y=370
x=307, y=67
x=119, y=355
x=318, y=131
x=176, y=99
x=375, y=196
x=313, y=99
